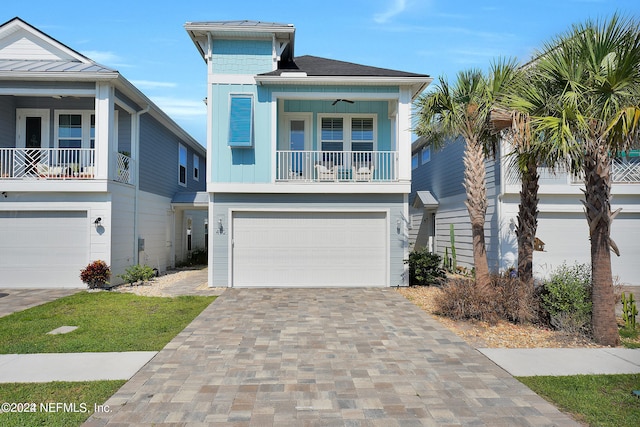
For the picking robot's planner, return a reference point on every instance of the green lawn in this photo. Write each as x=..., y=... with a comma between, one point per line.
x=106, y=321
x=599, y=400
x=47, y=401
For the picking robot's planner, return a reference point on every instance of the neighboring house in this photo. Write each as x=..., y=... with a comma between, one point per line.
x=438, y=198
x=309, y=162
x=88, y=168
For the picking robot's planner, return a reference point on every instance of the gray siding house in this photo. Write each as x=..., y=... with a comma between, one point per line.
x=438, y=196
x=89, y=167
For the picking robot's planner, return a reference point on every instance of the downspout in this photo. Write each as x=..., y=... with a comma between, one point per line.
x=135, y=157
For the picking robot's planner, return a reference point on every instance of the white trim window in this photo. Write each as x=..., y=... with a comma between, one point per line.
x=347, y=132
x=414, y=161
x=196, y=167
x=182, y=165
x=75, y=129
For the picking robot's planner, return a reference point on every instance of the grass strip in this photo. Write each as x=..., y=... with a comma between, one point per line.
x=54, y=404
x=599, y=400
x=106, y=321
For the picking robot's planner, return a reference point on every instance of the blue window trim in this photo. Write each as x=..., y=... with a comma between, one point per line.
x=241, y=120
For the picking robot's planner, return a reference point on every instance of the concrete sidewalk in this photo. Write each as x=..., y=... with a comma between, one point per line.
x=26, y=368
x=565, y=361
x=37, y=368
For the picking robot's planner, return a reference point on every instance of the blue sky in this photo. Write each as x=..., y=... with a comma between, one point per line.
x=147, y=43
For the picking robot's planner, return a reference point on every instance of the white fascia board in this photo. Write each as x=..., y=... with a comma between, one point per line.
x=232, y=79
x=55, y=186
x=48, y=92
x=356, y=96
x=59, y=75
x=418, y=84
x=311, y=188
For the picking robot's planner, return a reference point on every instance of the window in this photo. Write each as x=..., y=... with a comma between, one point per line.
x=75, y=129
x=361, y=134
x=241, y=121
x=425, y=155
x=182, y=168
x=414, y=161
x=196, y=167
x=348, y=133
x=332, y=134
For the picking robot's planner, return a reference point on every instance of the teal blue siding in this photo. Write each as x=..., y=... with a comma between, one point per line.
x=242, y=56
x=249, y=165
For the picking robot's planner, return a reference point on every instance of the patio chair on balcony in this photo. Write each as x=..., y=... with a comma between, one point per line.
x=362, y=171
x=325, y=171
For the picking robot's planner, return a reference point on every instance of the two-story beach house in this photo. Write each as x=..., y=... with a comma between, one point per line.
x=89, y=167
x=438, y=197
x=309, y=167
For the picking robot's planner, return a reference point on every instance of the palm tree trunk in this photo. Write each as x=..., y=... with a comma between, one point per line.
x=527, y=222
x=474, y=182
x=598, y=210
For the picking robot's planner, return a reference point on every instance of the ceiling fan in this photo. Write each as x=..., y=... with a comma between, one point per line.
x=343, y=100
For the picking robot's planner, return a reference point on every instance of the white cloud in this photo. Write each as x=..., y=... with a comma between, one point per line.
x=180, y=107
x=395, y=8
x=148, y=84
x=105, y=58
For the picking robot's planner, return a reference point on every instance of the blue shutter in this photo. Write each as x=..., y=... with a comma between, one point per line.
x=241, y=121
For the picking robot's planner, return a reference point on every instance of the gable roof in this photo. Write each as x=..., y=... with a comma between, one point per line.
x=26, y=51
x=315, y=70
x=316, y=66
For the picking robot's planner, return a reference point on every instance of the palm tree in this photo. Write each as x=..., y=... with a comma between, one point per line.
x=528, y=96
x=462, y=110
x=594, y=70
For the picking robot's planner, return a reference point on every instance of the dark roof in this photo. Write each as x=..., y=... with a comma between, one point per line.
x=316, y=66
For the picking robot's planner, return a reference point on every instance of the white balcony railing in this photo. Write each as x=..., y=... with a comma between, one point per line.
x=625, y=170
x=336, y=166
x=57, y=163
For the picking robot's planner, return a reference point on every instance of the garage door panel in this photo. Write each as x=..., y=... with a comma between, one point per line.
x=40, y=248
x=566, y=238
x=309, y=249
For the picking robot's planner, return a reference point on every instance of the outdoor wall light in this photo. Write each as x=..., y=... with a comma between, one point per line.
x=398, y=225
x=220, y=227
x=98, y=222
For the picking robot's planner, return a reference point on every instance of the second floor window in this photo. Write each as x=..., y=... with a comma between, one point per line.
x=196, y=167
x=241, y=121
x=75, y=129
x=425, y=155
x=182, y=166
x=347, y=133
x=414, y=161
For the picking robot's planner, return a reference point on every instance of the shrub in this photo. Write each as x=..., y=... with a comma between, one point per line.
x=96, y=274
x=566, y=297
x=515, y=300
x=462, y=299
x=507, y=298
x=138, y=273
x=424, y=268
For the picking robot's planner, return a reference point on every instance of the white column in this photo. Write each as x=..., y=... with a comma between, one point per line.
x=104, y=131
x=404, y=135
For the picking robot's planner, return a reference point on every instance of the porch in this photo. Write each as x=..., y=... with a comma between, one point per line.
x=336, y=166
x=59, y=164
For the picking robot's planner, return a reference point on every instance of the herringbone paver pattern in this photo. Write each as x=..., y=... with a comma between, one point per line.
x=322, y=357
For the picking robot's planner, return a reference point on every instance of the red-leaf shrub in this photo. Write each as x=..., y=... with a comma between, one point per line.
x=96, y=274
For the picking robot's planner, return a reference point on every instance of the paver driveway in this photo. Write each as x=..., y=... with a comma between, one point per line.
x=286, y=357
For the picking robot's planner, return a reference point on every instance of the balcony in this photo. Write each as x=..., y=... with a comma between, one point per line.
x=56, y=164
x=336, y=166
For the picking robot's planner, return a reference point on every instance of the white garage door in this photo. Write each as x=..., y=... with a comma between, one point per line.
x=566, y=238
x=42, y=249
x=310, y=249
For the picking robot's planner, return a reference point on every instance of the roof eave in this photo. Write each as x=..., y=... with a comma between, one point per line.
x=418, y=84
x=61, y=75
